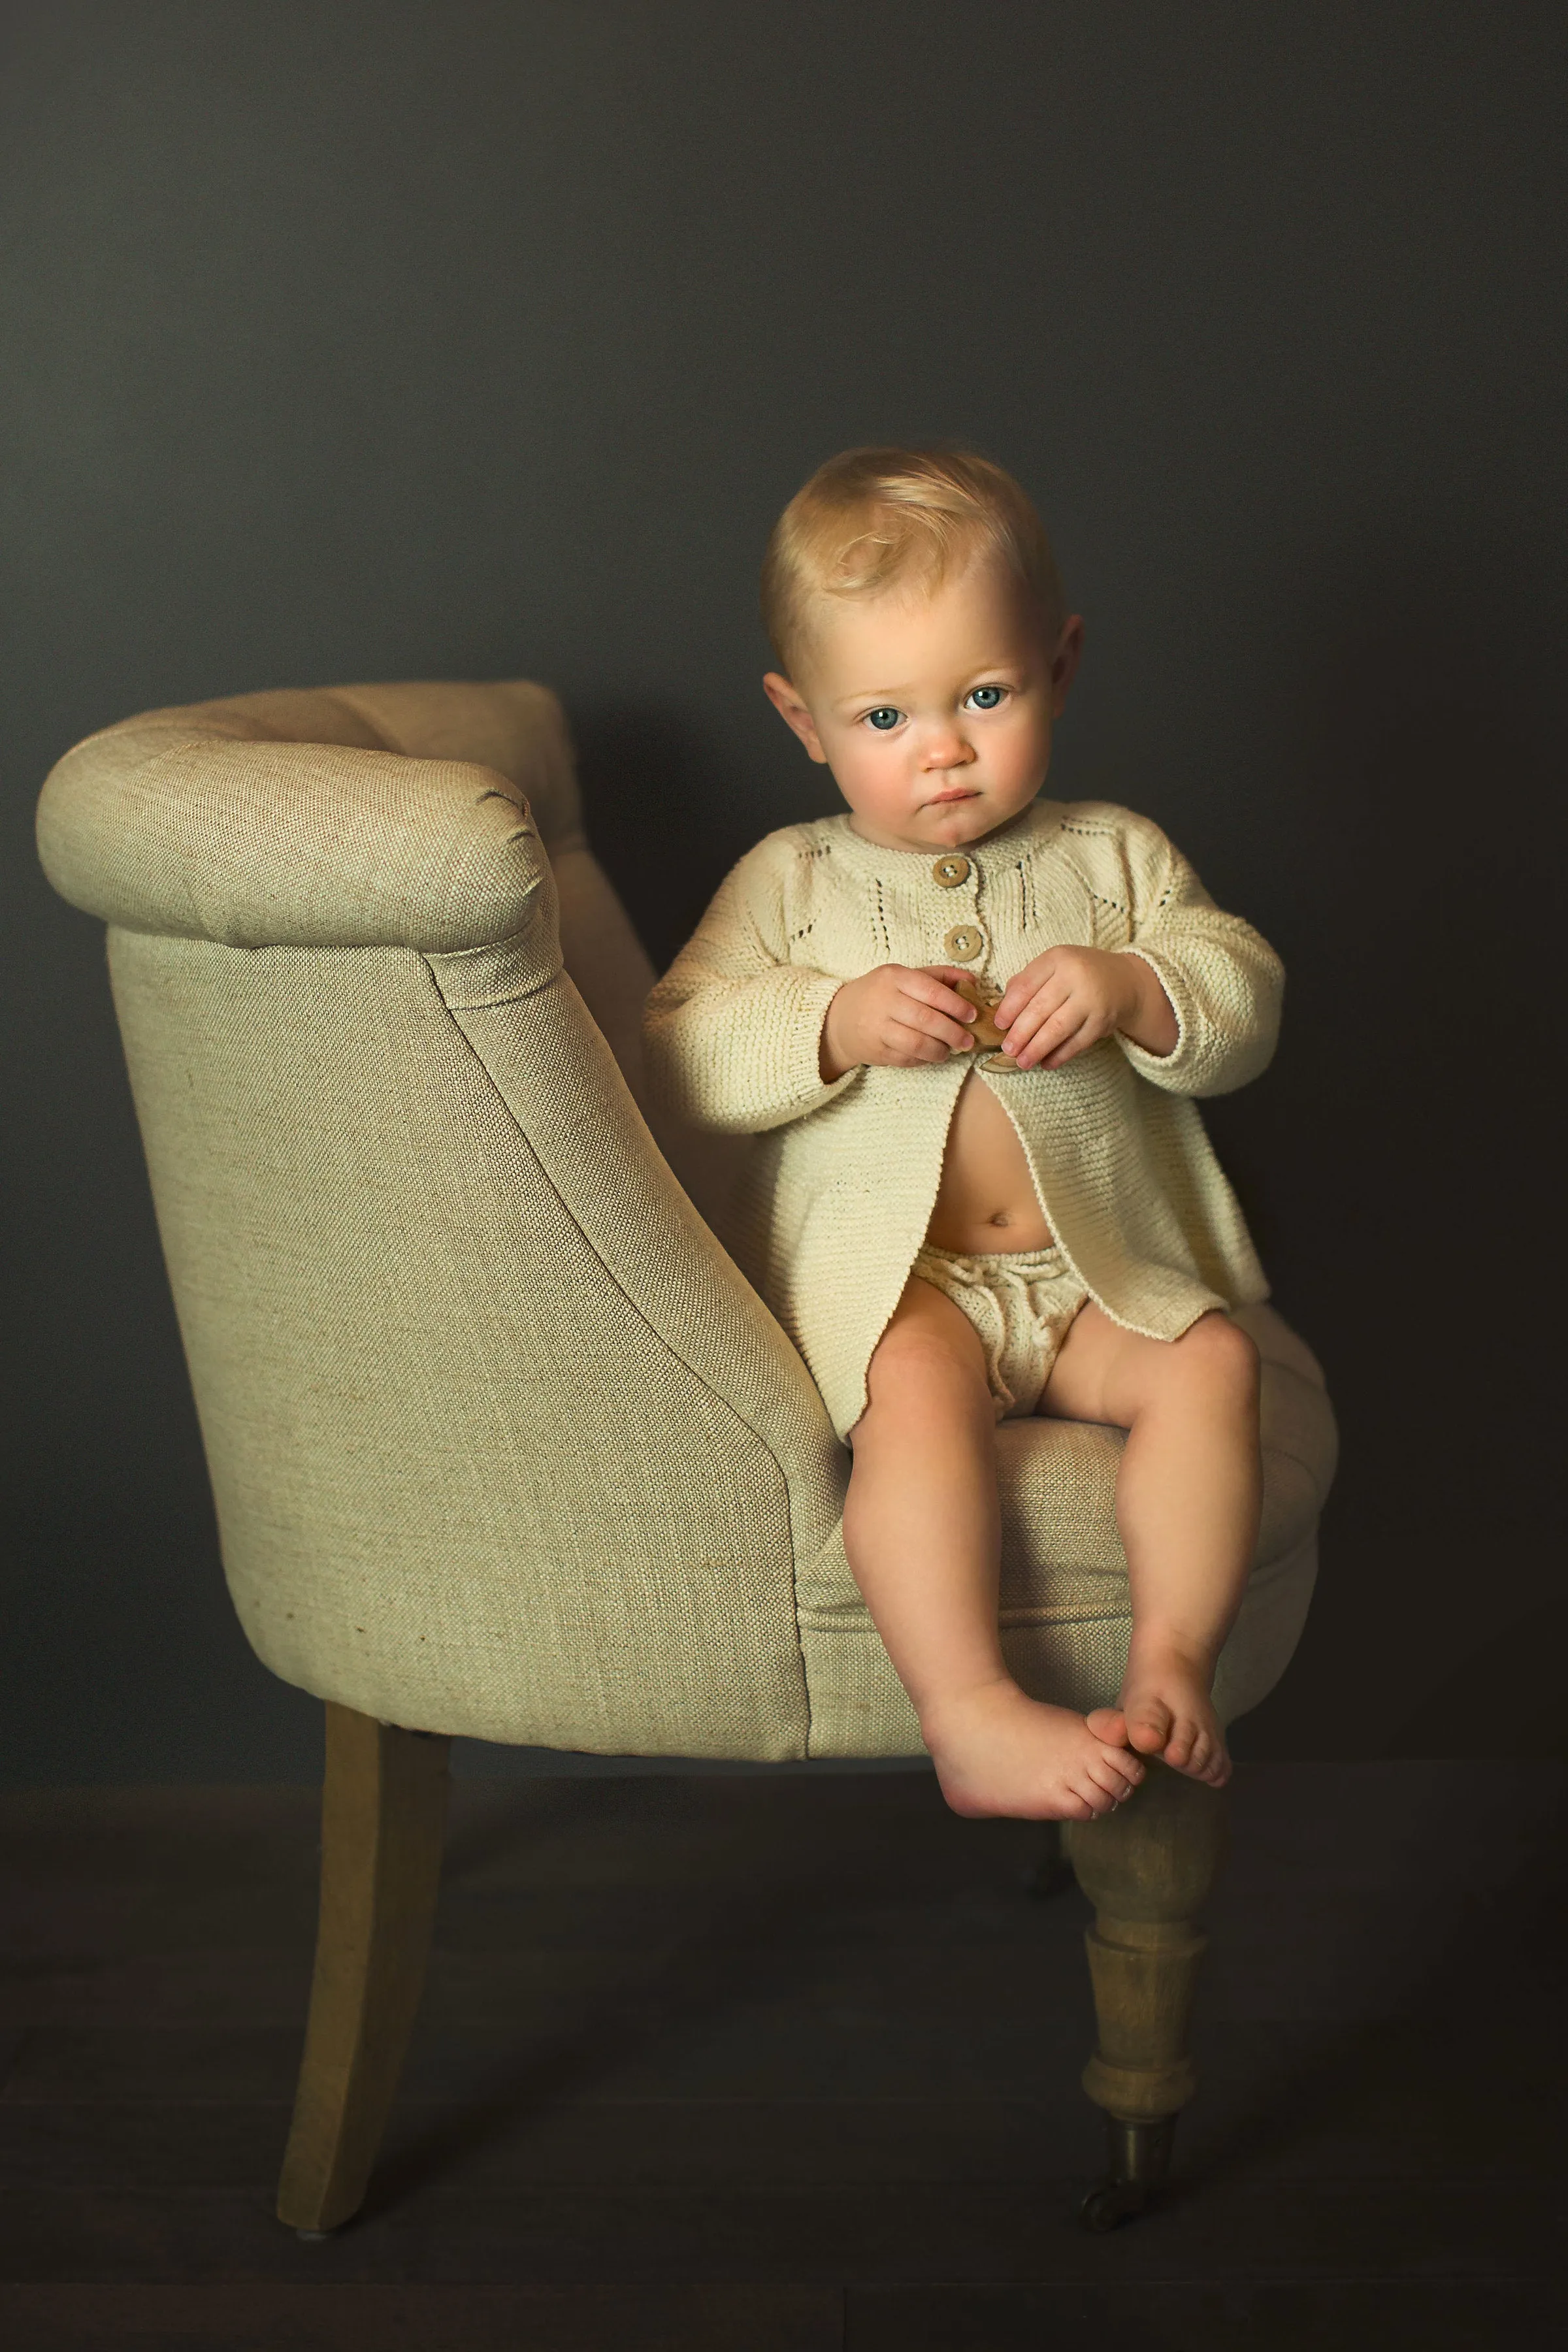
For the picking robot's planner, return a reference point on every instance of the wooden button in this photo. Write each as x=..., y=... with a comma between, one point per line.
x=964, y=943
x=950, y=870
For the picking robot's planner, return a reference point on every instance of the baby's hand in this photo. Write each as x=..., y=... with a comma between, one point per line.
x=1070, y=998
x=896, y=1016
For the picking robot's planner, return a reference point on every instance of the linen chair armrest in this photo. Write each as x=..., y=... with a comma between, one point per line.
x=166, y=827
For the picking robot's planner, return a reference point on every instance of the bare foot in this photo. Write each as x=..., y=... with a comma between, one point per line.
x=997, y=1752
x=1169, y=1713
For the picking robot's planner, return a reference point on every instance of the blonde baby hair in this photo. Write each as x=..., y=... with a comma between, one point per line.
x=870, y=517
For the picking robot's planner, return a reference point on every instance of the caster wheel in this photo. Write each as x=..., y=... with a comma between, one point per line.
x=1111, y=2203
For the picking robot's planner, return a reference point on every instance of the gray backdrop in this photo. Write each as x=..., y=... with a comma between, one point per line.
x=368, y=342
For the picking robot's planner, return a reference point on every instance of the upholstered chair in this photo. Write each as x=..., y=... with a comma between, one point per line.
x=502, y=1444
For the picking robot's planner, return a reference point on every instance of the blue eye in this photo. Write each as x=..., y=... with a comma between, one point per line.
x=882, y=719
x=986, y=698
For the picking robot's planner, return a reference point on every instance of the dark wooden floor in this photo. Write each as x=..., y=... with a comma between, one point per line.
x=745, y=2065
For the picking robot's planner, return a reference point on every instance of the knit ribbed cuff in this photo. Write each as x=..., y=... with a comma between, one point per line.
x=797, y=1079
x=1174, y=1070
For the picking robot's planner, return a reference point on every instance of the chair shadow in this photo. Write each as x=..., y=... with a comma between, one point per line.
x=1466, y=1985
x=731, y=1936
x=729, y=1941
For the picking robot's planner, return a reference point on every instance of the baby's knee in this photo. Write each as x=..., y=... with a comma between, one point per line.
x=1218, y=1354
x=917, y=1358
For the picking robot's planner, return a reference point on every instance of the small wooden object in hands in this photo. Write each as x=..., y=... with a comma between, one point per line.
x=984, y=998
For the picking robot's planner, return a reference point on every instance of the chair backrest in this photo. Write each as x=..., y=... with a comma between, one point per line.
x=500, y=1440
x=188, y=857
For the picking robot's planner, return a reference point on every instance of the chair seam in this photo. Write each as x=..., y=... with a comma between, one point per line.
x=644, y=1318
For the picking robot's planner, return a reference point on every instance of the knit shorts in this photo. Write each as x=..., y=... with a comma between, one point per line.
x=1022, y=1303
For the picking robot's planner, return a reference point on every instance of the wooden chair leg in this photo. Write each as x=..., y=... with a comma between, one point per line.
x=1147, y=1868
x=384, y=1805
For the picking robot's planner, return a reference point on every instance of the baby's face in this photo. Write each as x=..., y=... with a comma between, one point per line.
x=933, y=710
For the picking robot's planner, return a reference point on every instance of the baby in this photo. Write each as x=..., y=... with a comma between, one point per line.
x=956, y=1229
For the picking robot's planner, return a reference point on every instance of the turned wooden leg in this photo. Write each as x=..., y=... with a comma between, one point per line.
x=1147, y=1868
x=384, y=1805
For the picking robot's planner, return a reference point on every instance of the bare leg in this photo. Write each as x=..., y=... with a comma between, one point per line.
x=1187, y=1502
x=920, y=1528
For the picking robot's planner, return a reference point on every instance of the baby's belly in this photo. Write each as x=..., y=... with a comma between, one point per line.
x=987, y=1200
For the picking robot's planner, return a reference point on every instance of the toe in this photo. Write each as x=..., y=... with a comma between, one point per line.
x=1116, y=1770
x=1149, y=1728
x=1099, y=1801
x=1108, y=1723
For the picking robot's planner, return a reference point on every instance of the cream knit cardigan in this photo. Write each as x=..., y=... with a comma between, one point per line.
x=841, y=1182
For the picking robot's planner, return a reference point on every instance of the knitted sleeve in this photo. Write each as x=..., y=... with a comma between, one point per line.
x=1224, y=979
x=732, y=1032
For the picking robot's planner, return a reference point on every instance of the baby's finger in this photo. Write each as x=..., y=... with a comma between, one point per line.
x=929, y=988
x=1021, y=988
x=1070, y=1047
x=906, y=1043
x=953, y=1035
x=1035, y=1012
x=1063, y=1025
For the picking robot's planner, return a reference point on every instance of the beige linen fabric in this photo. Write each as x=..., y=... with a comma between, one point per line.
x=292, y=819
x=501, y=1442
x=842, y=1179
x=357, y=816
x=483, y=1461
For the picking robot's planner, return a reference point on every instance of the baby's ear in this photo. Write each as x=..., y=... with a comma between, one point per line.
x=1065, y=661
x=793, y=712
